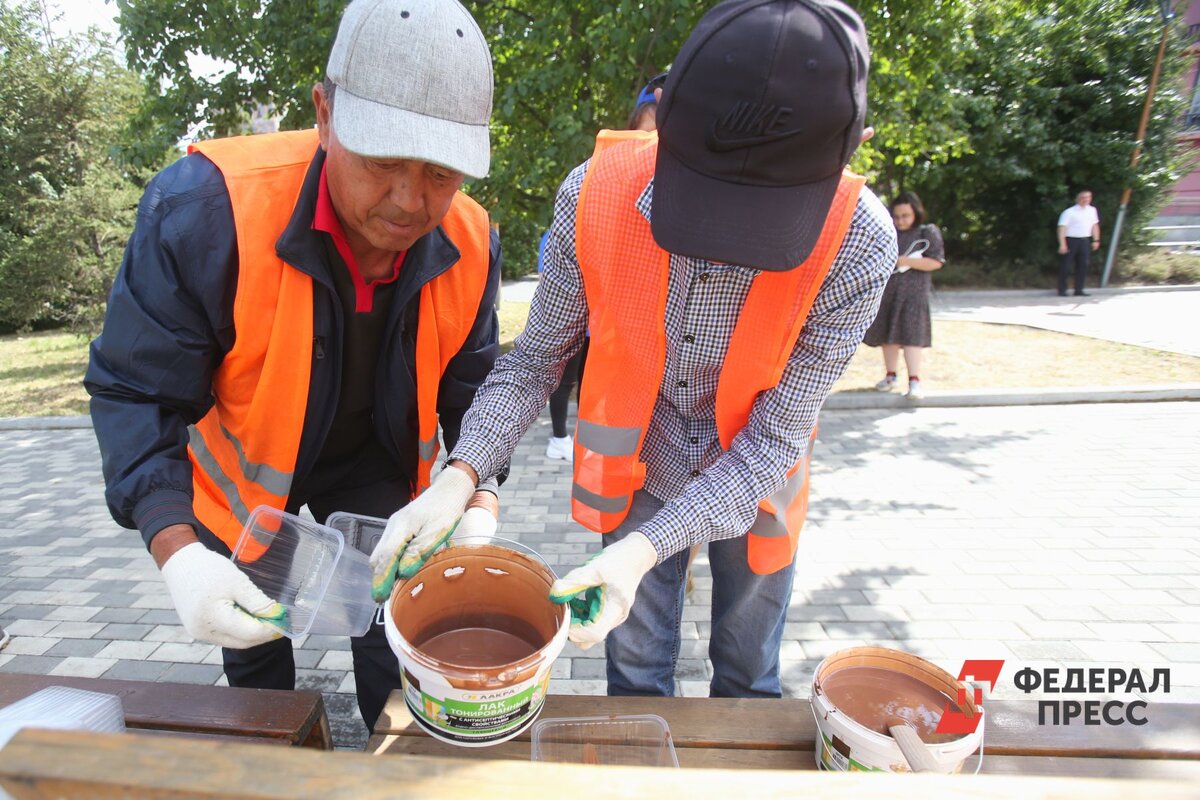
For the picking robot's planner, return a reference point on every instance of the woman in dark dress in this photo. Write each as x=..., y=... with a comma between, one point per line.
x=903, y=319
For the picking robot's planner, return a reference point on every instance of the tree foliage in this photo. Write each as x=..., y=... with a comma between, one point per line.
x=66, y=206
x=996, y=109
x=562, y=70
x=1052, y=98
x=915, y=102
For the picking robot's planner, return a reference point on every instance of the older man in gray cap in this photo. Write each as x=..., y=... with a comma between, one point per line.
x=295, y=314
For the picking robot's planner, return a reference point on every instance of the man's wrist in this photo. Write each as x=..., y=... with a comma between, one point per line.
x=486, y=500
x=465, y=467
x=169, y=541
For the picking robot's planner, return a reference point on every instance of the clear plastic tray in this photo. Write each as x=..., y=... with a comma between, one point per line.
x=631, y=740
x=361, y=533
x=64, y=708
x=325, y=586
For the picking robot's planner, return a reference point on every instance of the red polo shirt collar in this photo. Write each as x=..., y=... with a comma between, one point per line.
x=326, y=219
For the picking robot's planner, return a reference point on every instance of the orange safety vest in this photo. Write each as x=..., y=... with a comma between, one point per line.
x=625, y=277
x=243, y=452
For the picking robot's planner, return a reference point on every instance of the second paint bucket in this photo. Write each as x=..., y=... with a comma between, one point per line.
x=496, y=593
x=855, y=739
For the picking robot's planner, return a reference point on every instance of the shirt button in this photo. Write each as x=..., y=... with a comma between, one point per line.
x=681, y=384
x=695, y=473
x=694, y=440
x=704, y=276
x=689, y=339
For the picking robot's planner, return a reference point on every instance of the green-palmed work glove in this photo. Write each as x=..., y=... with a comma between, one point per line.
x=217, y=603
x=414, y=532
x=601, y=592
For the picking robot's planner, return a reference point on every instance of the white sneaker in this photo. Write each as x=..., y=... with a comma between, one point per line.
x=562, y=448
x=887, y=384
x=914, y=390
x=3, y=638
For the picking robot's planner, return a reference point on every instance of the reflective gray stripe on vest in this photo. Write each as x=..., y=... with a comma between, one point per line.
x=266, y=476
x=427, y=448
x=768, y=526
x=608, y=440
x=775, y=525
x=204, y=458
x=605, y=505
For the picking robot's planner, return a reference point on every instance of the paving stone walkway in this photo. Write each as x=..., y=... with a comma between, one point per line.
x=1159, y=317
x=1061, y=536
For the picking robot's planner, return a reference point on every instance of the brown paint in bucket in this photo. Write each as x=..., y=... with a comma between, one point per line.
x=476, y=634
x=858, y=693
x=489, y=646
x=877, y=698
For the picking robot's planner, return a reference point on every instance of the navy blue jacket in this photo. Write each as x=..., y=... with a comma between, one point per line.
x=170, y=323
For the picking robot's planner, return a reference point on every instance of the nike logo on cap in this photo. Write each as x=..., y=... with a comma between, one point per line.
x=748, y=124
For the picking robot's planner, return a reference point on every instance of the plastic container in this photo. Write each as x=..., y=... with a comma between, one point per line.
x=325, y=586
x=62, y=707
x=630, y=740
x=477, y=585
x=361, y=533
x=846, y=745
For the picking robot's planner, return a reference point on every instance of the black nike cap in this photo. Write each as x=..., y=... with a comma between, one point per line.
x=760, y=113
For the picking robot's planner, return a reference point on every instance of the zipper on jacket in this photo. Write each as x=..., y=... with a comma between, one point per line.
x=327, y=404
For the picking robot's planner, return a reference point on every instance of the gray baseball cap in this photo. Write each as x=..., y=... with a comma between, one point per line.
x=414, y=81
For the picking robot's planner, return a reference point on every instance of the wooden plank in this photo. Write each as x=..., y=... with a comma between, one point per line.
x=51, y=764
x=721, y=723
x=1172, y=730
x=698, y=757
x=1143, y=768
x=319, y=737
x=212, y=737
x=516, y=750
x=221, y=710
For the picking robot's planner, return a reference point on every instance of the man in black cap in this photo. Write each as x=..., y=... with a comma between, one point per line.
x=727, y=268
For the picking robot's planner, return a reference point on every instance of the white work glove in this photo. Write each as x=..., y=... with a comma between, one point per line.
x=414, y=532
x=601, y=592
x=217, y=603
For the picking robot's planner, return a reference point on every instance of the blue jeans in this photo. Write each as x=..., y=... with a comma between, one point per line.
x=748, y=613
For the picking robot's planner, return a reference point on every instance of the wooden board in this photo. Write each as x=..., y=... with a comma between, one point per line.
x=1173, y=729
x=1144, y=768
x=720, y=723
x=52, y=764
x=295, y=717
x=804, y=760
x=517, y=750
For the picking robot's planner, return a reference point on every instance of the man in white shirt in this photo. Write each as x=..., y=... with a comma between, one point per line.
x=1078, y=236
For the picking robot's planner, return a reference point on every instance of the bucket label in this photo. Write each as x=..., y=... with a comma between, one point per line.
x=838, y=761
x=473, y=720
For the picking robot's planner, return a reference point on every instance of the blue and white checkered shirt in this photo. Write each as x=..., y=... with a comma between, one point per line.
x=709, y=493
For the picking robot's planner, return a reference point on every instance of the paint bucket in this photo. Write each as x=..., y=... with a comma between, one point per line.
x=846, y=744
x=489, y=588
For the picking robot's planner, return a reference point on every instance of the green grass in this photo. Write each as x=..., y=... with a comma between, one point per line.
x=978, y=355
x=1154, y=266
x=41, y=373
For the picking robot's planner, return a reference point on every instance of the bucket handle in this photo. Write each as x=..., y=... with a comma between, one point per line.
x=820, y=743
